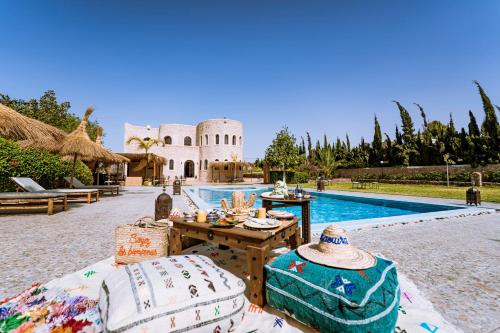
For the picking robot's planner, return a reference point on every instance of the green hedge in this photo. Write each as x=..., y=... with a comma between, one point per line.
x=465, y=176
x=292, y=177
x=45, y=168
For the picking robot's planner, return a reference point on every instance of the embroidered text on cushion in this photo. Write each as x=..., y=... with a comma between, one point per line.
x=334, y=300
x=172, y=294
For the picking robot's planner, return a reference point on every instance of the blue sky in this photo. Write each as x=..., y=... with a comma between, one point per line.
x=324, y=67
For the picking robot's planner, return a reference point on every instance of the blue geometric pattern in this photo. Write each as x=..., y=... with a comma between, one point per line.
x=343, y=285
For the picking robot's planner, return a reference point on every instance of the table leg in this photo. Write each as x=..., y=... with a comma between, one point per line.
x=175, y=246
x=306, y=221
x=257, y=257
x=267, y=205
x=50, y=206
x=295, y=239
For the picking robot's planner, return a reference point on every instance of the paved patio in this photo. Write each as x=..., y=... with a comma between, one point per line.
x=454, y=261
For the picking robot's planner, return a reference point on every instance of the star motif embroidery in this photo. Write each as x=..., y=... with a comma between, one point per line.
x=343, y=285
x=296, y=266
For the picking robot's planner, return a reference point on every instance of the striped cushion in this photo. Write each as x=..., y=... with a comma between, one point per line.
x=334, y=300
x=172, y=294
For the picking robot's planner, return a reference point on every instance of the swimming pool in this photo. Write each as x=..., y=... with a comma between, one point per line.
x=329, y=207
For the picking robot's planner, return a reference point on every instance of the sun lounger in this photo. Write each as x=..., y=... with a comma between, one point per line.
x=112, y=189
x=28, y=201
x=29, y=185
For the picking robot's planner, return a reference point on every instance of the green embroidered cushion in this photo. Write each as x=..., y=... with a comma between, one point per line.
x=334, y=300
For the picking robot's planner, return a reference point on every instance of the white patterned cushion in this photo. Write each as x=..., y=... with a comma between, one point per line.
x=172, y=294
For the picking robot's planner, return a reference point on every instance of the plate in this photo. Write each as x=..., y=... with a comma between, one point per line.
x=270, y=195
x=278, y=214
x=224, y=224
x=267, y=223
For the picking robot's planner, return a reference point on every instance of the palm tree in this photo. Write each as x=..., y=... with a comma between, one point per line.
x=144, y=145
x=326, y=161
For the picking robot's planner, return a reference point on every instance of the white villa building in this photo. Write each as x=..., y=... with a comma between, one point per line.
x=189, y=149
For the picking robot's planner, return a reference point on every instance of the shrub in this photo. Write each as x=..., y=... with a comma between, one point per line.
x=291, y=177
x=300, y=177
x=493, y=176
x=43, y=167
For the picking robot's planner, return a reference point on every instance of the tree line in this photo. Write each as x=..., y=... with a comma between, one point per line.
x=49, y=111
x=435, y=143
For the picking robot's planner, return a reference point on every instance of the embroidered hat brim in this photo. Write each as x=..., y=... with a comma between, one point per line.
x=344, y=257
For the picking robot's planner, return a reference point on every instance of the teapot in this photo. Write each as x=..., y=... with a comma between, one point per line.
x=212, y=216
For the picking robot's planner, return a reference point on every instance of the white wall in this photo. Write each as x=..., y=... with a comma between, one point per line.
x=199, y=151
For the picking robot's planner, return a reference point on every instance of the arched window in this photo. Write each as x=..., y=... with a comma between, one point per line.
x=200, y=165
x=241, y=141
x=201, y=140
x=146, y=139
x=167, y=140
x=225, y=160
x=216, y=160
x=187, y=141
x=206, y=164
x=226, y=139
x=206, y=139
x=216, y=139
x=234, y=140
x=171, y=165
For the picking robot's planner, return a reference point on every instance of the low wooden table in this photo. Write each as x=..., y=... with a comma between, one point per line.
x=256, y=243
x=305, y=204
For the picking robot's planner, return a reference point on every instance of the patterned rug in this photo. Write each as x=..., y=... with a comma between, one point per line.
x=69, y=304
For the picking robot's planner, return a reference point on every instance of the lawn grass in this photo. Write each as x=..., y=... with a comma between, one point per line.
x=491, y=194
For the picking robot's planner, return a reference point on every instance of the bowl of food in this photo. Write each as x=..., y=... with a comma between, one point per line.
x=227, y=222
x=240, y=214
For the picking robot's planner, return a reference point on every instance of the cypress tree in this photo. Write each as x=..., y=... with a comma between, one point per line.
x=451, y=140
x=473, y=127
x=407, y=125
x=377, y=137
x=464, y=146
x=317, y=150
x=476, y=151
x=490, y=127
x=377, y=153
x=326, y=146
x=302, y=147
x=338, y=150
x=424, y=116
x=399, y=137
x=309, y=147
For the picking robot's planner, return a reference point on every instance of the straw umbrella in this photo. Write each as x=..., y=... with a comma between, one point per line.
x=78, y=146
x=112, y=158
x=32, y=132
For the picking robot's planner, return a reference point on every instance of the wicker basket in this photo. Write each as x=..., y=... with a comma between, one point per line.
x=144, y=240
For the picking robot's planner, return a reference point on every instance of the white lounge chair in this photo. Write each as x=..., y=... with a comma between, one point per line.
x=29, y=185
x=113, y=189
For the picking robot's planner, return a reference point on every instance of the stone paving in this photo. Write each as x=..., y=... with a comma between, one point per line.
x=454, y=262
x=39, y=248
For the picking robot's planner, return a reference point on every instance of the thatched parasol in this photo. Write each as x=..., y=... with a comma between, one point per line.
x=32, y=132
x=112, y=157
x=78, y=146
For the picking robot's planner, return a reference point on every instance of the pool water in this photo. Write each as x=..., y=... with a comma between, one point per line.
x=332, y=207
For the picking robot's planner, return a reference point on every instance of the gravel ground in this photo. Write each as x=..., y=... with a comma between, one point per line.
x=454, y=262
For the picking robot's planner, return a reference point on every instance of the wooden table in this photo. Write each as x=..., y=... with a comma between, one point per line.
x=256, y=243
x=305, y=204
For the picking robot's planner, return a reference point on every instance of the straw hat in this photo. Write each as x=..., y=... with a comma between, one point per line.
x=335, y=250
